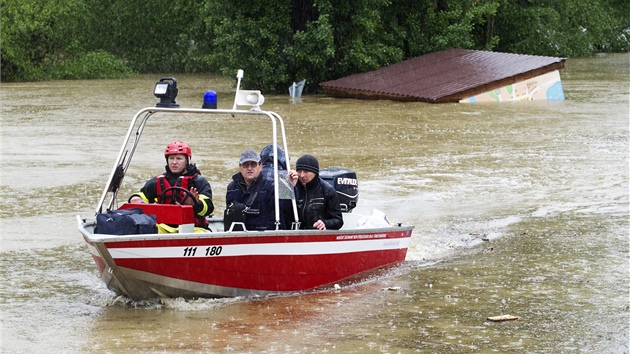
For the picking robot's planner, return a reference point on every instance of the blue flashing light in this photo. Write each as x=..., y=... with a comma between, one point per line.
x=210, y=100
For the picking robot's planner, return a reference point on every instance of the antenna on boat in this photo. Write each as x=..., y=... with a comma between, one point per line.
x=239, y=76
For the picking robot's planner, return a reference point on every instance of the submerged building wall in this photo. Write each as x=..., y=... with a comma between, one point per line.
x=543, y=87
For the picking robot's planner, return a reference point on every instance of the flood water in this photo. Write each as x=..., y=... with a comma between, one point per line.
x=519, y=208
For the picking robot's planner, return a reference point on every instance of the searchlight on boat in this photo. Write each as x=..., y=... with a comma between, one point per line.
x=166, y=91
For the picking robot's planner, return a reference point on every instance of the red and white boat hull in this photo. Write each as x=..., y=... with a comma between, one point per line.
x=242, y=263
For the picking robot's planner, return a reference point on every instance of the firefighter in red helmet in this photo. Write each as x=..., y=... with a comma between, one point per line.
x=180, y=183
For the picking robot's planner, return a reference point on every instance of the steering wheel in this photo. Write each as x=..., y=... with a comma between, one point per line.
x=178, y=196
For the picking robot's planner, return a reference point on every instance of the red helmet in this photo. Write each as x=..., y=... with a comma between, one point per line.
x=178, y=147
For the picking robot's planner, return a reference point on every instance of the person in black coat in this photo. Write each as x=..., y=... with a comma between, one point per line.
x=317, y=201
x=251, y=194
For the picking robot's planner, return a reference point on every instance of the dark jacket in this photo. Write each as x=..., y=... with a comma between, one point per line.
x=318, y=201
x=262, y=209
x=204, y=205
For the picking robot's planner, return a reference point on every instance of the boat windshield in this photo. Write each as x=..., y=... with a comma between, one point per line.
x=285, y=189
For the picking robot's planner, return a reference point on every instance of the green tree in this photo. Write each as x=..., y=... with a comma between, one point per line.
x=312, y=51
x=249, y=35
x=431, y=26
x=36, y=34
x=150, y=36
x=280, y=41
x=563, y=28
x=45, y=39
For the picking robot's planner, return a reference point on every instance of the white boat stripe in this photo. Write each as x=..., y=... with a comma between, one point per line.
x=261, y=249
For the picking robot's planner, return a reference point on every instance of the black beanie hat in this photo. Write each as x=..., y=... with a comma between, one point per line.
x=307, y=163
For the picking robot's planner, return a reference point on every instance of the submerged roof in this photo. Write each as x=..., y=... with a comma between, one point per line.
x=445, y=76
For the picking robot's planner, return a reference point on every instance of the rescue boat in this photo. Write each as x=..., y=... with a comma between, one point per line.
x=228, y=263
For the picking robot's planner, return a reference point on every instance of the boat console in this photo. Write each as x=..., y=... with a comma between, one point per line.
x=180, y=215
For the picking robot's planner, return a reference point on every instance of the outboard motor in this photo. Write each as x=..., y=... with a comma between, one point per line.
x=345, y=183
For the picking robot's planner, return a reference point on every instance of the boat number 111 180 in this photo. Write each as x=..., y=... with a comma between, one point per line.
x=210, y=251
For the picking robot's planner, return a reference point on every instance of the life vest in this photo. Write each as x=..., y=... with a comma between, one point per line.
x=162, y=184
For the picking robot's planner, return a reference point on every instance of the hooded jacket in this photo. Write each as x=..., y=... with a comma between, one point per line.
x=266, y=158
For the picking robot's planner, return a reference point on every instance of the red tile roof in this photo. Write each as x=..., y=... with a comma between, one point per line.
x=445, y=76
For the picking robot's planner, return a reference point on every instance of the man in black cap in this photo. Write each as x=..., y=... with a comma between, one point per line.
x=250, y=195
x=317, y=201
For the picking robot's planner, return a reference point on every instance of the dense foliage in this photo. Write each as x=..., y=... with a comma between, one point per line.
x=279, y=41
x=45, y=39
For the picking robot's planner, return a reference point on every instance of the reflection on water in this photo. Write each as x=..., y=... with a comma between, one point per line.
x=519, y=209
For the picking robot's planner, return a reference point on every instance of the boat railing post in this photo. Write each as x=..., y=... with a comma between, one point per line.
x=128, y=156
x=239, y=76
x=121, y=154
x=276, y=189
x=288, y=159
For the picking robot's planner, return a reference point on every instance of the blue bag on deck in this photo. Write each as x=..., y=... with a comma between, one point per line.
x=125, y=222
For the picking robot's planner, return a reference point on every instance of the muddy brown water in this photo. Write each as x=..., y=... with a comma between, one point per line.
x=519, y=208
